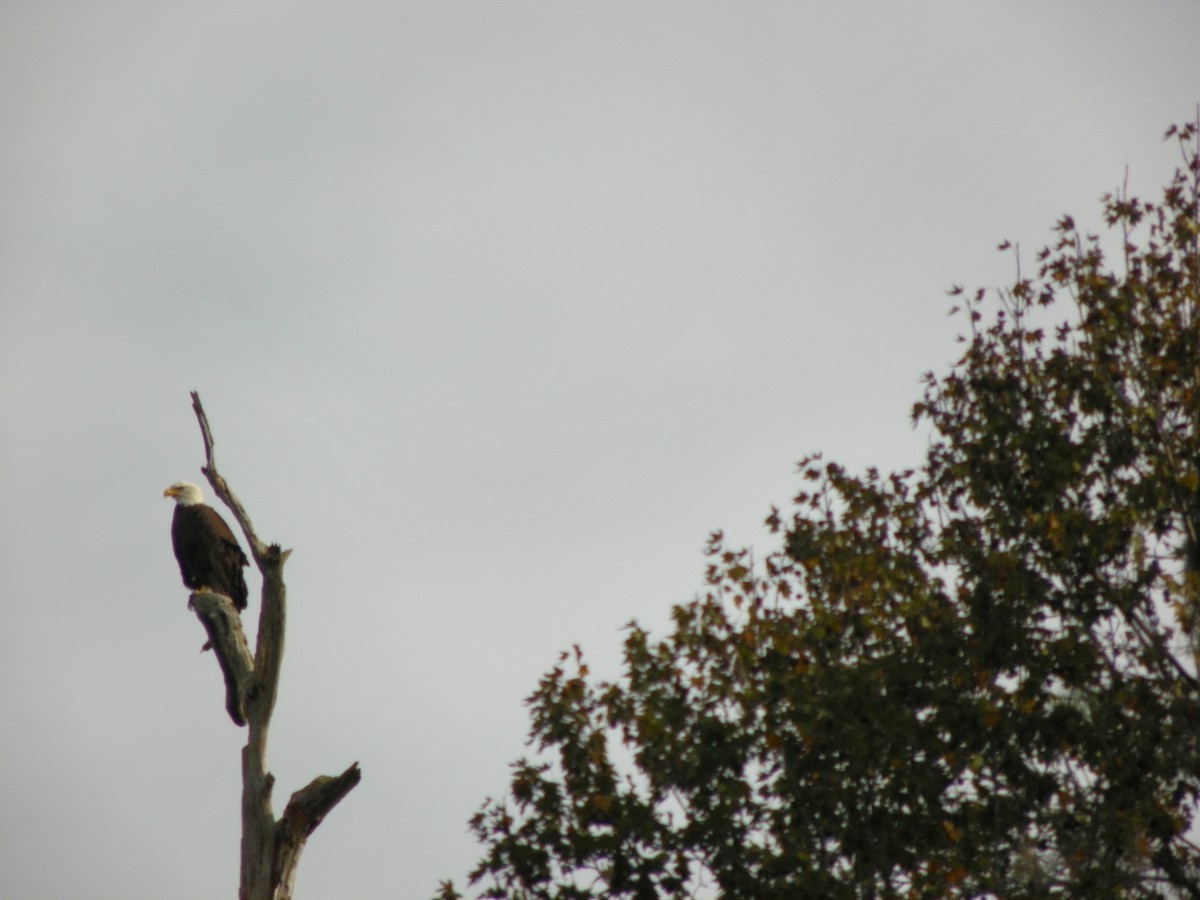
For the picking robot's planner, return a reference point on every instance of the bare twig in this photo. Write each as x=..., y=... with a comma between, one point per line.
x=221, y=488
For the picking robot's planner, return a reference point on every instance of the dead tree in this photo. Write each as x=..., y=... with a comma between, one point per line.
x=270, y=846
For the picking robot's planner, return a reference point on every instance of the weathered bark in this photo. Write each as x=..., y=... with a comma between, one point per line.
x=228, y=642
x=270, y=848
x=304, y=812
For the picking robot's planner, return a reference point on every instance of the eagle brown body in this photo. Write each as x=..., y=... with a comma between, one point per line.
x=209, y=556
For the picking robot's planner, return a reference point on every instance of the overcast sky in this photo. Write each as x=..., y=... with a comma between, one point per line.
x=497, y=310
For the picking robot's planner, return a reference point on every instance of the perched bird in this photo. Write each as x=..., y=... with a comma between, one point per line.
x=210, y=558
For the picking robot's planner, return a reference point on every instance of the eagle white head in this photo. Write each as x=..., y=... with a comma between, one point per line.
x=185, y=493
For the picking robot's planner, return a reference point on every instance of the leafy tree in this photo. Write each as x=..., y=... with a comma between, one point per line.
x=974, y=679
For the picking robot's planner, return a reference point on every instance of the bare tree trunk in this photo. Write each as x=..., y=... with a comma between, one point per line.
x=270, y=847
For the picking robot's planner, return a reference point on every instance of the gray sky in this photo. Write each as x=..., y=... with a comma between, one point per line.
x=496, y=310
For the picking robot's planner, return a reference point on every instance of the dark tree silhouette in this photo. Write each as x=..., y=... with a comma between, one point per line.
x=974, y=679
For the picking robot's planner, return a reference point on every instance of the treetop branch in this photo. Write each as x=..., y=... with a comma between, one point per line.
x=262, y=554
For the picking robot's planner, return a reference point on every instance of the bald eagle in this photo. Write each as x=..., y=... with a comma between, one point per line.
x=209, y=555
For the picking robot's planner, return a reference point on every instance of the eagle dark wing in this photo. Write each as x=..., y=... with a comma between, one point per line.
x=209, y=555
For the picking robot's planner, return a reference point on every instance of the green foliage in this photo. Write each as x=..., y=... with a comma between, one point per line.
x=974, y=679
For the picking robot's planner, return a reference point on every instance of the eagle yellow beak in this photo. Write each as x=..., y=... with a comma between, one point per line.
x=170, y=492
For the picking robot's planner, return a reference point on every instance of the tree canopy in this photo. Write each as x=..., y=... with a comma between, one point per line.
x=976, y=678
